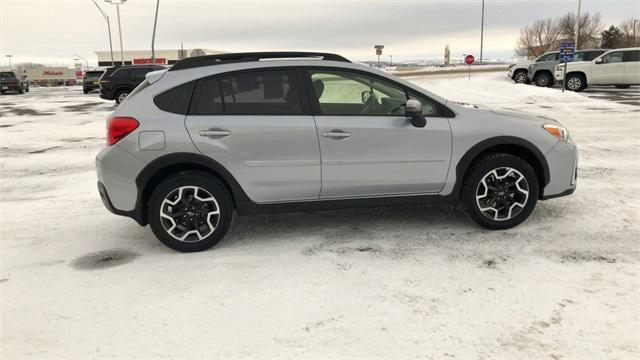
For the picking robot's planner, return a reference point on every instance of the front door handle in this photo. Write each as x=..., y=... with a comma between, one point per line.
x=337, y=134
x=215, y=133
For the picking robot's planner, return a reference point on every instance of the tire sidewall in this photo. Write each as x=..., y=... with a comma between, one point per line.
x=478, y=172
x=583, y=84
x=219, y=192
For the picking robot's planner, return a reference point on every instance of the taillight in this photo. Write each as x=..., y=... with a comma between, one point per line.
x=119, y=127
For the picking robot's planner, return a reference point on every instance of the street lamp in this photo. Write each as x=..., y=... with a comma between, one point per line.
x=117, y=3
x=153, y=38
x=106, y=18
x=9, y=57
x=81, y=58
x=482, y=32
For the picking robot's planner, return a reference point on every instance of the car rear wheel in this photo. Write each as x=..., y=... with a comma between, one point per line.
x=575, y=82
x=520, y=77
x=544, y=80
x=500, y=191
x=190, y=211
x=121, y=95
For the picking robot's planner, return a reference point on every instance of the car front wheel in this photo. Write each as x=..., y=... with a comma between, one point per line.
x=190, y=211
x=500, y=191
x=575, y=82
x=520, y=77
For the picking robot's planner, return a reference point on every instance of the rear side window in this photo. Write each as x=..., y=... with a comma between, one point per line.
x=270, y=92
x=7, y=75
x=175, y=100
x=631, y=56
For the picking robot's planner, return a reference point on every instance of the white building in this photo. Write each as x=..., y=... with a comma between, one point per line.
x=144, y=56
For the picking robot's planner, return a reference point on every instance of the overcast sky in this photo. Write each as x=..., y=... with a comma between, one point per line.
x=52, y=31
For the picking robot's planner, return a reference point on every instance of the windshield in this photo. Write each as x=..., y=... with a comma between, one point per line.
x=7, y=75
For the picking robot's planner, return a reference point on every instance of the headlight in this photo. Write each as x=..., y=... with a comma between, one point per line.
x=560, y=132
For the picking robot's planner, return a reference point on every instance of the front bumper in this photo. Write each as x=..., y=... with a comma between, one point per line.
x=563, y=170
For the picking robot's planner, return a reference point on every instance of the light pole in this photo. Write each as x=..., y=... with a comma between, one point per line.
x=578, y=24
x=106, y=18
x=153, y=38
x=117, y=3
x=635, y=39
x=9, y=57
x=482, y=32
x=81, y=58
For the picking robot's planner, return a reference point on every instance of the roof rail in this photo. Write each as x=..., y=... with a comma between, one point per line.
x=220, y=59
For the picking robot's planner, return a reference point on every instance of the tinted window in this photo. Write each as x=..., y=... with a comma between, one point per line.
x=350, y=93
x=614, y=57
x=261, y=93
x=122, y=73
x=207, y=99
x=175, y=100
x=632, y=56
x=7, y=75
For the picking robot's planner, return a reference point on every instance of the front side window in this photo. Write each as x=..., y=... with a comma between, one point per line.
x=614, y=57
x=631, y=56
x=350, y=93
x=548, y=57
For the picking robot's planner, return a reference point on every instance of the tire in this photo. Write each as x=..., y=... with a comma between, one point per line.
x=208, y=228
x=121, y=95
x=20, y=91
x=576, y=82
x=544, y=79
x=622, y=86
x=511, y=206
x=521, y=77
x=85, y=91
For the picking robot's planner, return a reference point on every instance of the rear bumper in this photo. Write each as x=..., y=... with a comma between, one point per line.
x=135, y=214
x=10, y=87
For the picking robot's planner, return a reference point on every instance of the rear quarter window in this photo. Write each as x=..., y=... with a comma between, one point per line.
x=175, y=100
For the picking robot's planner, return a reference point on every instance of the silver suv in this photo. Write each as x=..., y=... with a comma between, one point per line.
x=261, y=132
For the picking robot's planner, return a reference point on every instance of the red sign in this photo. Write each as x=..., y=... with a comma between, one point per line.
x=148, y=61
x=469, y=59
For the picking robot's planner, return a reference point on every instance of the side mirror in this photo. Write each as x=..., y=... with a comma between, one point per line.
x=413, y=111
x=599, y=61
x=366, y=95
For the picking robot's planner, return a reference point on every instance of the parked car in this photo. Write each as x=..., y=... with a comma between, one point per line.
x=91, y=81
x=541, y=71
x=518, y=72
x=9, y=81
x=619, y=67
x=223, y=133
x=119, y=81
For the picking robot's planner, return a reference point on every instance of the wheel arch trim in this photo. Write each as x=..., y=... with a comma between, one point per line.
x=165, y=165
x=500, y=143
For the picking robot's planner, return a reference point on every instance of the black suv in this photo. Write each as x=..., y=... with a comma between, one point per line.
x=91, y=81
x=9, y=81
x=117, y=82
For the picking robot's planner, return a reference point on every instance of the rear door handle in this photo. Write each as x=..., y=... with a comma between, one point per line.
x=215, y=133
x=337, y=134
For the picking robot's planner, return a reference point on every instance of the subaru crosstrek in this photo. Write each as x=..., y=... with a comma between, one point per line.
x=260, y=132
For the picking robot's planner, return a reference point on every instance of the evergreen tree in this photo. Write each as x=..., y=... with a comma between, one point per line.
x=611, y=38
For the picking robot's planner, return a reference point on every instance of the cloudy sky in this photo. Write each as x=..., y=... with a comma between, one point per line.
x=52, y=31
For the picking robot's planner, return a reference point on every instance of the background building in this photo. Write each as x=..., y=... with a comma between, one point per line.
x=144, y=56
x=51, y=76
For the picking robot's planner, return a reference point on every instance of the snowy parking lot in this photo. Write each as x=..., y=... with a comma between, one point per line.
x=78, y=282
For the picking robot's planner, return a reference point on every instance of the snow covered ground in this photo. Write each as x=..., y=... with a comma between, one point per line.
x=77, y=282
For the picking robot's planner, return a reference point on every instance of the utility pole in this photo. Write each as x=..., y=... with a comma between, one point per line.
x=482, y=32
x=117, y=3
x=578, y=25
x=153, y=38
x=106, y=18
x=9, y=57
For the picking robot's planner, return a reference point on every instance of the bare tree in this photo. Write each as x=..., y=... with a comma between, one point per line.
x=628, y=38
x=538, y=38
x=590, y=27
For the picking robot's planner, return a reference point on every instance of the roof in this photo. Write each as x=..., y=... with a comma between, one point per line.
x=220, y=59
